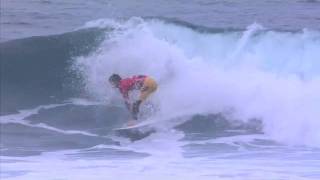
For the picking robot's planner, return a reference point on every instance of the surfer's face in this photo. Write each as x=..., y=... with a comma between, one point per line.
x=114, y=84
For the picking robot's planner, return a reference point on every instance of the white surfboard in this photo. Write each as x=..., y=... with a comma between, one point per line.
x=137, y=131
x=138, y=125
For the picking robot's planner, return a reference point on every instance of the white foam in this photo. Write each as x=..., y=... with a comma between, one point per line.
x=257, y=73
x=84, y=102
x=25, y=113
x=19, y=118
x=57, y=165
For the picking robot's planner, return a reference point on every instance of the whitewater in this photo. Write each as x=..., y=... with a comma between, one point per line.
x=232, y=104
x=254, y=74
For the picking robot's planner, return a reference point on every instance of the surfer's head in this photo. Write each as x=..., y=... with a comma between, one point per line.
x=115, y=79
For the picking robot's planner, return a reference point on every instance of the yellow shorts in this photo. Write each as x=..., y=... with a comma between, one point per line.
x=148, y=87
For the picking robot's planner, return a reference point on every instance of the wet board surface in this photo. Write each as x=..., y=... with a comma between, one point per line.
x=135, y=132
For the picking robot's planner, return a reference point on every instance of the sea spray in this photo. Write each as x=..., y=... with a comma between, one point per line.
x=257, y=73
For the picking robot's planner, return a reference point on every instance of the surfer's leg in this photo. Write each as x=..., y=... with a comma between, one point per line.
x=149, y=86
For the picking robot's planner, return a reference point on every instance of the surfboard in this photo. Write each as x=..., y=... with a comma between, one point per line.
x=138, y=125
x=136, y=132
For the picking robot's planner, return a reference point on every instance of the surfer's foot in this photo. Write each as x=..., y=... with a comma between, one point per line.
x=131, y=123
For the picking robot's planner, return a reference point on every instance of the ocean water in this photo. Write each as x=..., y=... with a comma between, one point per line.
x=238, y=96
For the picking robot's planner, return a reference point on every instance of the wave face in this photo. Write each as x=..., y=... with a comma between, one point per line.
x=256, y=73
x=36, y=70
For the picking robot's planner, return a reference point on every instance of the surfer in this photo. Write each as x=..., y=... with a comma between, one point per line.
x=145, y=84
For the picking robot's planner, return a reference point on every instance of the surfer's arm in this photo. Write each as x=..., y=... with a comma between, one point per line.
x=132, y=109
x=134, y=113
x=127, y=105
x=125, y=95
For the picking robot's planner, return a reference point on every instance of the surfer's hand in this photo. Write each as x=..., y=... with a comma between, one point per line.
x=131, y=123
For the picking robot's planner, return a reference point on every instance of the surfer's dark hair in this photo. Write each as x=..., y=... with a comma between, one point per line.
x=114, y=78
